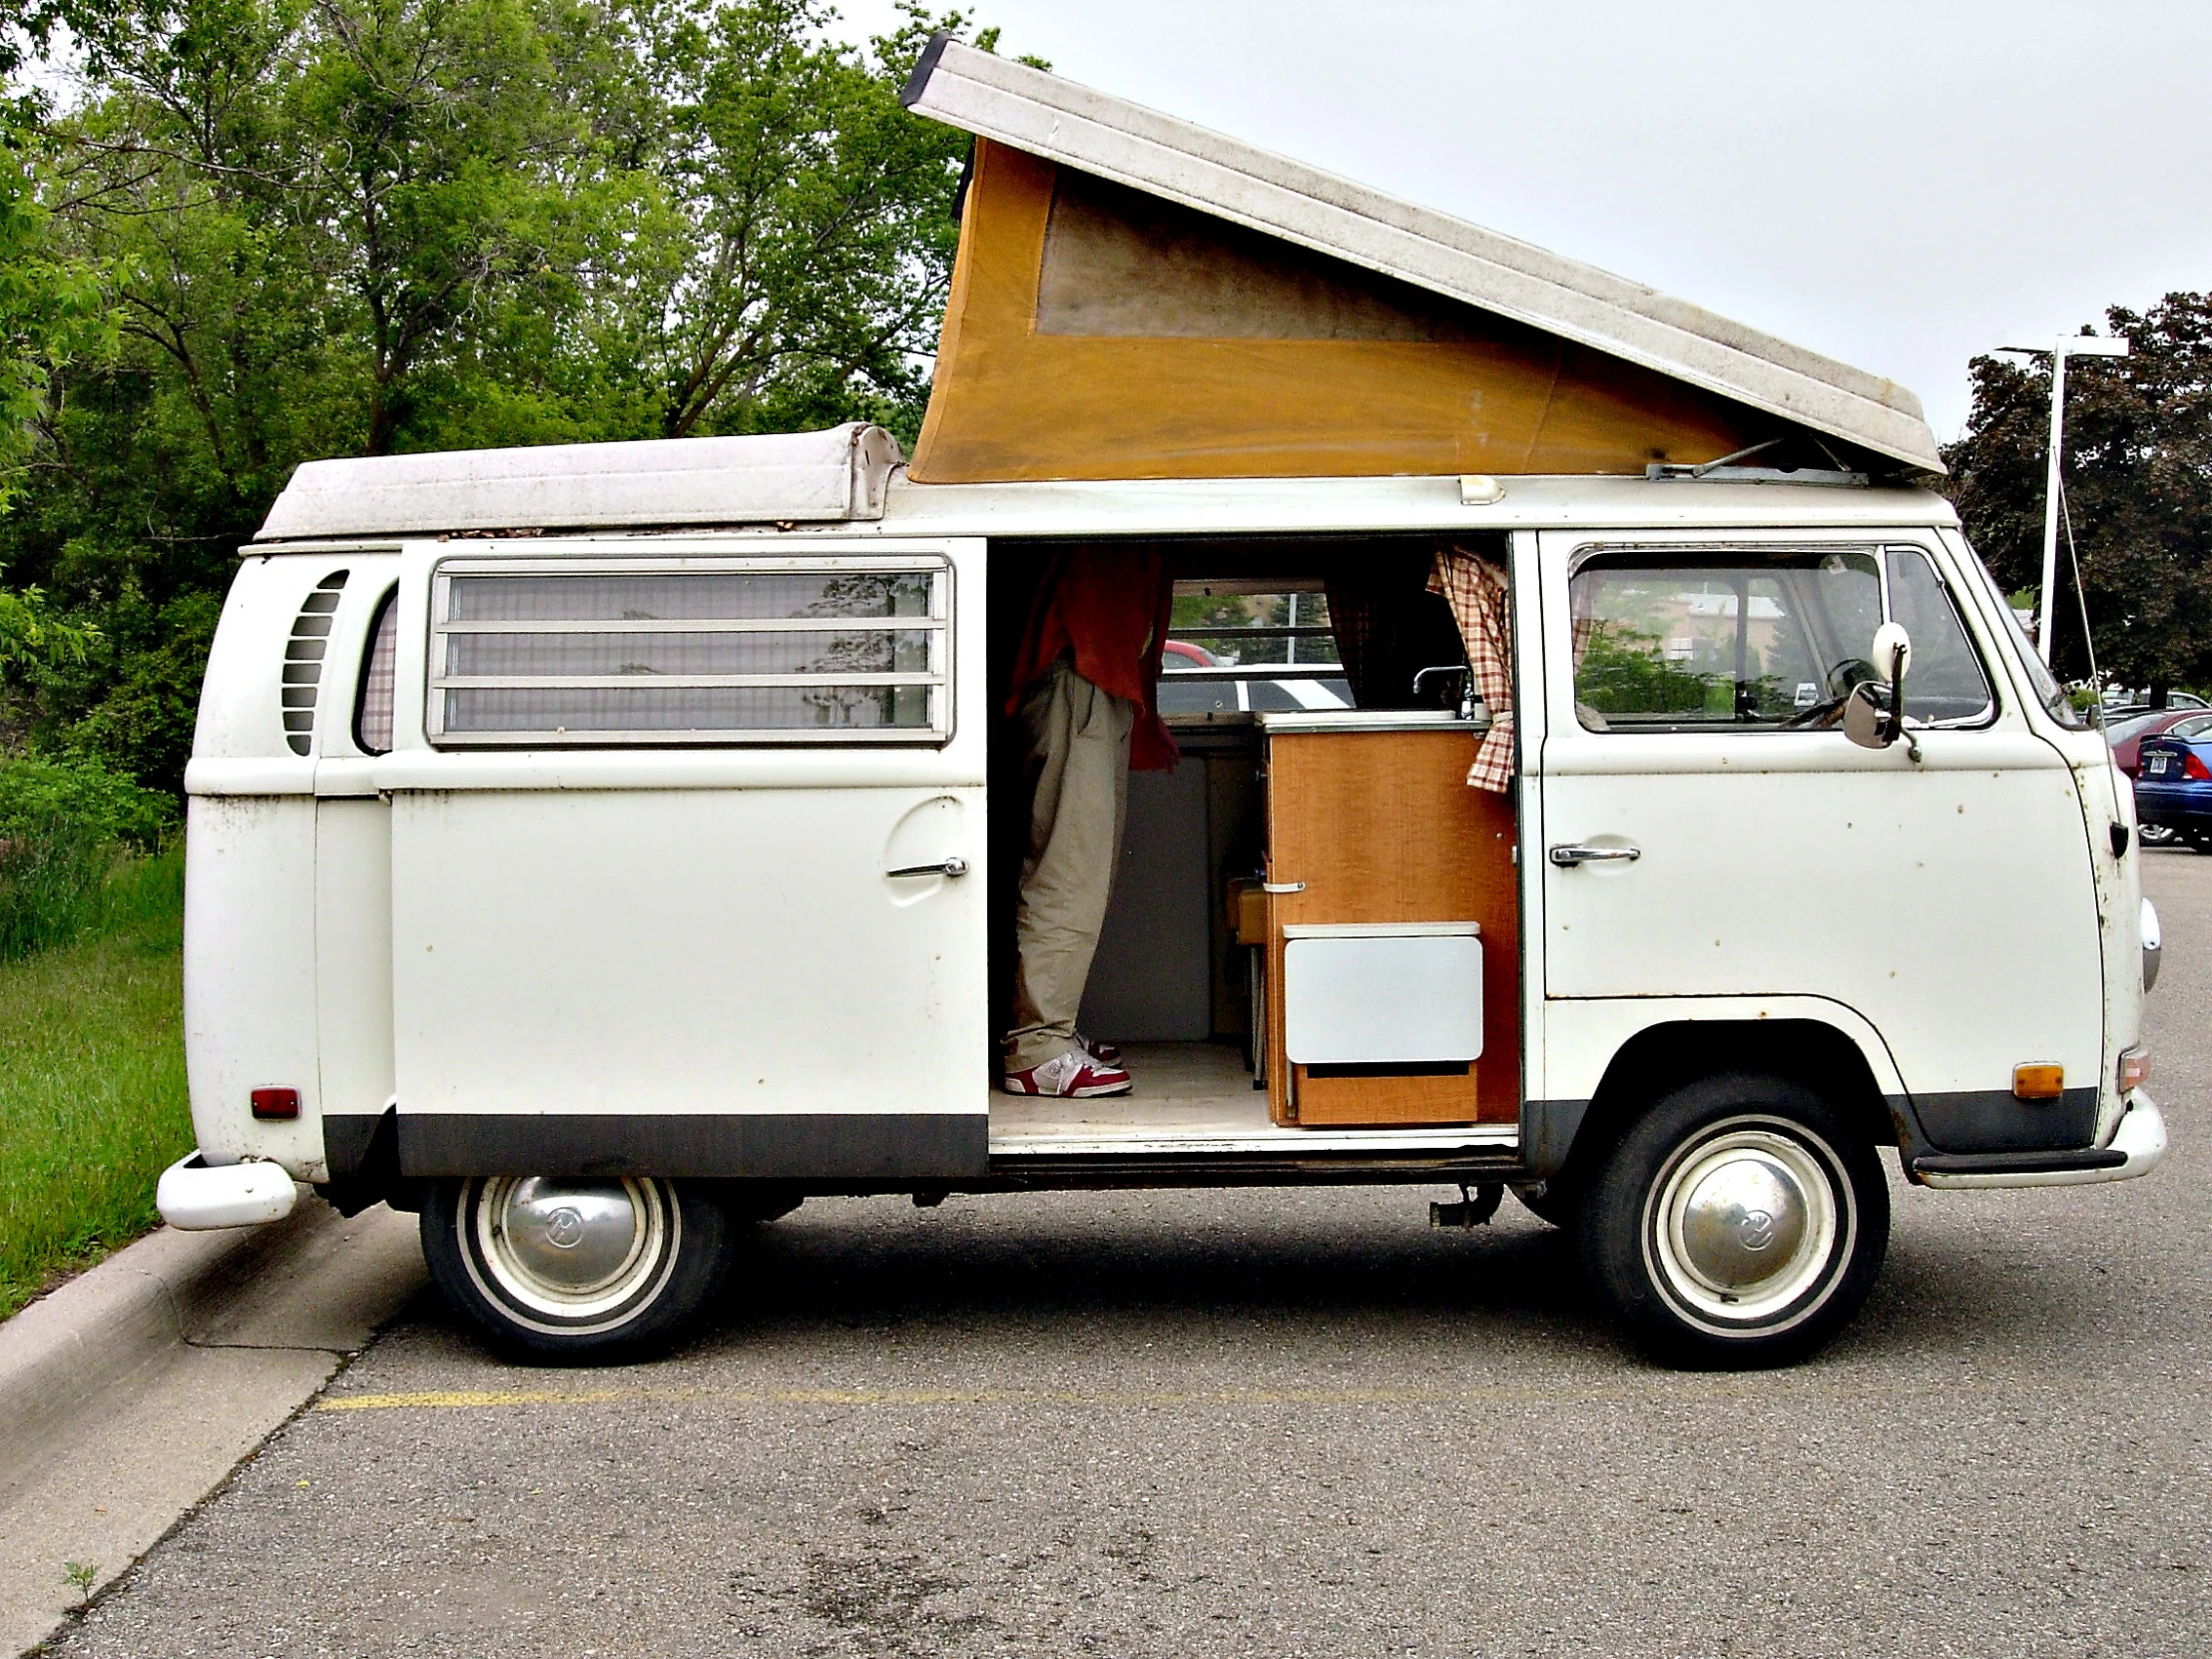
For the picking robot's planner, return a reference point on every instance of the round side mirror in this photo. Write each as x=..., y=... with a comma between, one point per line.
x=1892, y=652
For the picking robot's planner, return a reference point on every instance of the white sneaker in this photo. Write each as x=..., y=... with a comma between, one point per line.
x=1075, y=1075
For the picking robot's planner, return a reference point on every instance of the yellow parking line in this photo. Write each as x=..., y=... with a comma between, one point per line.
x=482, y=1398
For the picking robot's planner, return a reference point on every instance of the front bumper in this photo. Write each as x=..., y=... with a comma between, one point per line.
x=2139, y=1143
x=195, y=1197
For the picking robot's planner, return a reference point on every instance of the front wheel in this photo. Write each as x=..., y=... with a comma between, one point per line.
x=1738, y=1223
x=574, y=1267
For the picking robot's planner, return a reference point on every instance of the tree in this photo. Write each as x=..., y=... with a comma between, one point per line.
x=2138, y=486
x=319, y=228
x=814, y=225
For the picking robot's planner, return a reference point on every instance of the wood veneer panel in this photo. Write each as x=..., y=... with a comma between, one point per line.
x=1383, y=827
x=1344, y=1102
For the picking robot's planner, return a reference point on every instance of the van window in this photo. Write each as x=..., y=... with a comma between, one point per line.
x=691, y=651
x=1244, y=646
x=372, y=704
x=1696, y=640
x=1946, y=685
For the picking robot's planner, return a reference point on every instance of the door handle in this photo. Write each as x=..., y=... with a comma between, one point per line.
x=954, y=866
x=1566, y=858
x=1282, y=886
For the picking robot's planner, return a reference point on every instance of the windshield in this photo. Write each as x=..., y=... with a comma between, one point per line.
x=2049, y=692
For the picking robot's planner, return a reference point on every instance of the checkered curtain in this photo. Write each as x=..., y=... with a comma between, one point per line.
x=1476, y=592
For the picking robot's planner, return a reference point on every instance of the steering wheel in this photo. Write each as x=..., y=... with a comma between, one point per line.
x=1844, y=679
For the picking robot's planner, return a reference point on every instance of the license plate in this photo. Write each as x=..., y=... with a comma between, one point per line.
x=2157, y=764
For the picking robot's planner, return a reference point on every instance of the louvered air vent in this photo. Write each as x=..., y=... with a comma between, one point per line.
x=303, y=653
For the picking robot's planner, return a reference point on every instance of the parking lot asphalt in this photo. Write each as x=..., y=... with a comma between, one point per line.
x=1291, y=1423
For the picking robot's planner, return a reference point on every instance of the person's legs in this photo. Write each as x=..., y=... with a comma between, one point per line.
x=1079, y=754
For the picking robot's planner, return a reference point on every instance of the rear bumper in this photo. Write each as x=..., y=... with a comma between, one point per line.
x=194, y=1197
x=2138, y=1147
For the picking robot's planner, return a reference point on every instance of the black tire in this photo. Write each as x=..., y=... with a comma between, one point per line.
x=1553, y=1201
x=2199, y=840
x=504, y=1249
x=1676, y=1225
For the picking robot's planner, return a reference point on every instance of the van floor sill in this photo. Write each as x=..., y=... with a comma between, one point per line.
x=1197, y=1100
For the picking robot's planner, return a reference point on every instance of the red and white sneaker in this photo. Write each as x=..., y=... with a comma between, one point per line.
x=1074, y=1075
x=1105, y=1053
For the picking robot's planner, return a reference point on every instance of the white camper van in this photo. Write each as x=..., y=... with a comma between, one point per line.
x=599, y=848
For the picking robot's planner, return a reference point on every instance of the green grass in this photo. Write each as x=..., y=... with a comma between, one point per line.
x=91, y=1081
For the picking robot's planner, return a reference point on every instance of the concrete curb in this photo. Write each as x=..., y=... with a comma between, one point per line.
x=131, y=1392
x=112, y=1323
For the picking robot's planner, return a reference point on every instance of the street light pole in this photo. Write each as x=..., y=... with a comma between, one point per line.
x=2049, y=607
x=2069, y=345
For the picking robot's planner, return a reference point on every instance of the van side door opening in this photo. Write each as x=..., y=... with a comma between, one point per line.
x=1291, y=688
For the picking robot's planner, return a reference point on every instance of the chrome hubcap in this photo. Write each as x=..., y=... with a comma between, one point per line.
x=1743, y=1218
x=571, y=1248
x=1744, y=1223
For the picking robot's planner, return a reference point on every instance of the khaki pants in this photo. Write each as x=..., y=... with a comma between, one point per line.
x=1080, y=756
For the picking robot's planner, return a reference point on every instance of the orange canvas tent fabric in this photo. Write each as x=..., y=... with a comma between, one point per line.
x=1094, y=331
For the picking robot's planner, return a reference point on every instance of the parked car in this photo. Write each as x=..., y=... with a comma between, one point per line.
x=600, y=849
x=2126, y=736
x=2119, y=709
x=1195, y=681
x=2174, y=781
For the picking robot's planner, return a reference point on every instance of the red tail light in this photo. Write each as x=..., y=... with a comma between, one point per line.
x=276, y=1105
x=2193, y=769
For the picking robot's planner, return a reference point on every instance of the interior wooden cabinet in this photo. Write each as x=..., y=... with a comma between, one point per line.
x=1374, y=822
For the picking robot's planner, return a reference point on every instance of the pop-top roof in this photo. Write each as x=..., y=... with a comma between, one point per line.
x=1059, y=121
x=796, y=477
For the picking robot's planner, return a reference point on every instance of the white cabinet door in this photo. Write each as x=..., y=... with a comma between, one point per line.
x=684, y=949
x=1948, y=900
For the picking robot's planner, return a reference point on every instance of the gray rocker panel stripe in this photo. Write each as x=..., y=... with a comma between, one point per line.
x=1994, y=1120
x=1968, y=1123
x=346, y=1140
x=783, y=1146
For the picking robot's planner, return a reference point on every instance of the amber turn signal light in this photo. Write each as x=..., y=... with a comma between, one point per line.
x=2039, y=1082
x=2134, y=1068
x=276, y=1105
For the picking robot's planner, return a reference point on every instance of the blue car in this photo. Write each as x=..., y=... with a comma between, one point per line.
x=2173, y=785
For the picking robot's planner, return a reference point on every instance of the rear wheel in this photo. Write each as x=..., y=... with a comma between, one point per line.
x=574, y=1267
x=1738, y=1223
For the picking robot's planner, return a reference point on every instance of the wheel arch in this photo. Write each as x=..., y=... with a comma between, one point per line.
x=1666, y=1054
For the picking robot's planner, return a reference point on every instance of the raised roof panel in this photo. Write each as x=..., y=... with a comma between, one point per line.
x=1172, y=283
x=799, y=477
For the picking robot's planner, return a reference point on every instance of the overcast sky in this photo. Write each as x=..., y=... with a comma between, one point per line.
x=1898, y=185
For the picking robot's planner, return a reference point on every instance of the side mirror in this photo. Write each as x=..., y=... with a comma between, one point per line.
x=1893, y=653
x=1867, y=722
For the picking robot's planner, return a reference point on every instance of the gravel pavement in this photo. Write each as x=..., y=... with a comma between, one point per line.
x=1278, y=1423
